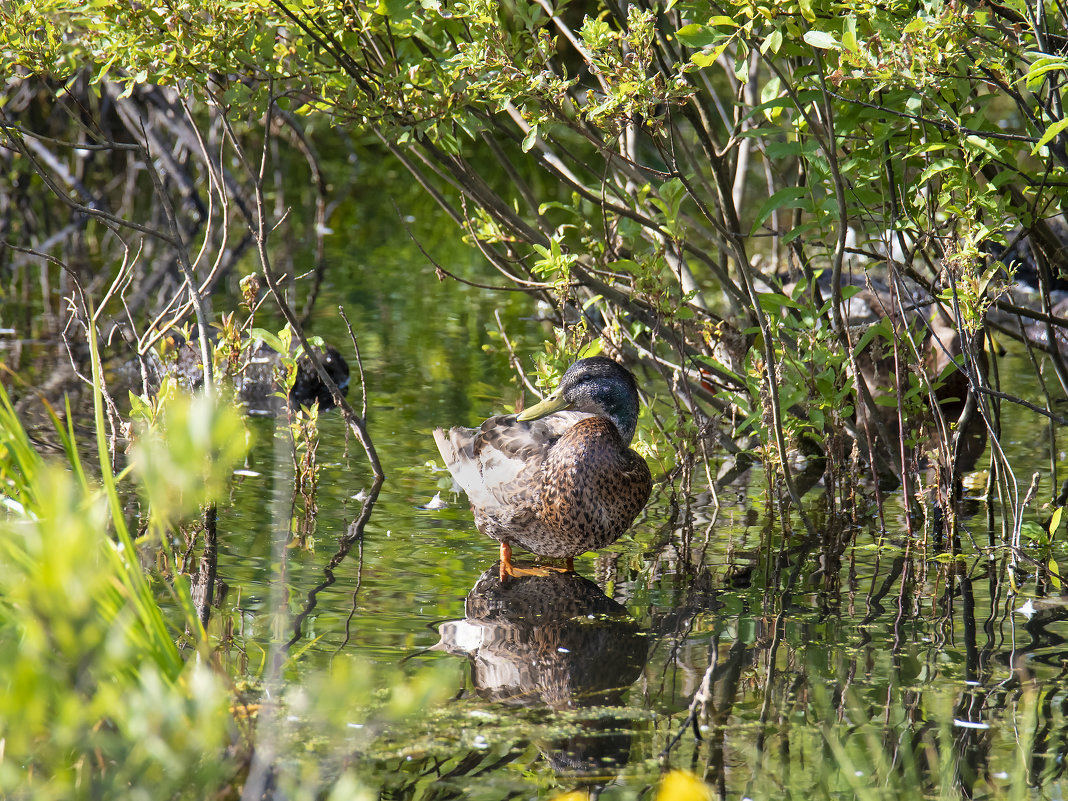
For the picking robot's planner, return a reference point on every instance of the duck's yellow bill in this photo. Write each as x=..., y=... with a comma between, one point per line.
x=553, y=403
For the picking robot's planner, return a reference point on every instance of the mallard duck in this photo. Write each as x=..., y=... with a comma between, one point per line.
x=256, y=377
x=558, y=479
x=257, y=381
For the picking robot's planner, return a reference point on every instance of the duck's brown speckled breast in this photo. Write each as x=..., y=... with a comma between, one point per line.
x=591, y=488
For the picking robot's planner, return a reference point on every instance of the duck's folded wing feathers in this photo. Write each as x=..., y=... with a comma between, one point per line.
x=497, y=463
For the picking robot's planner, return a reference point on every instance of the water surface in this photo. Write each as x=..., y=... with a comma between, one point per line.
x=705, y=639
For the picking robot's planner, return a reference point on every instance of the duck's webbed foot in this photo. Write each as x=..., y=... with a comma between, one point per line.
x=508, y=569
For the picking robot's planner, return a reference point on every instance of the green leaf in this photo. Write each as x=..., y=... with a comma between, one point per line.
x=778, y=150
x=772, y=42
x=821, y=40
x=1055, y=521
x=849, y=35
x=707, y=58
x=139, y=407
x=770, y=90
x=593, y=348
x=1051, y=132
x=982, y=144
x=1036, y=73
x=272, y=340
x=530, y=138
x=801, y=230
x=697, y=35
x=937, y=166
x=774, y=301
x=1034, y=532
x=790, y=196
x=741, y=64
x=628, y=266
x=673, y=192
x=881, y=328
x=803, y=97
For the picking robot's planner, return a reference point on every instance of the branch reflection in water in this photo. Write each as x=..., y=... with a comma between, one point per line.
x=556, y=641
x=353, y=536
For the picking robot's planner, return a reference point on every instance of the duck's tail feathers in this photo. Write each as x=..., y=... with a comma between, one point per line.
x=457, y=449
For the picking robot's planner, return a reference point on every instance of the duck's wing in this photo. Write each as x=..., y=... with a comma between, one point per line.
x=499, y=463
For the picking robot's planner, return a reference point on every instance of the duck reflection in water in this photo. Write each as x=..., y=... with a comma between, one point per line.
x=557, y=641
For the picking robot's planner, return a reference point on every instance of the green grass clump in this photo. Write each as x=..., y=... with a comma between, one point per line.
x=95, y=699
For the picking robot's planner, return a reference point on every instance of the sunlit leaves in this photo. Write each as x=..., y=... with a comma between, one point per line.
x=1041, y=67
x=823, y=40
x=186, y=458
x=132, y=41
x=553, y=263
x=773, y=41
x=1054, y=130
x=864, y=116
x=105, y=705
x=694, y=35
x=849, y=35
x=622, y=58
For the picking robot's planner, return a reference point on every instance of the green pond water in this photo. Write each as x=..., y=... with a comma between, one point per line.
x=703, y=640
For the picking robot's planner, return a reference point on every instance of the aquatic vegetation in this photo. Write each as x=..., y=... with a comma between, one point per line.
x=799, y=222
x=97, y=700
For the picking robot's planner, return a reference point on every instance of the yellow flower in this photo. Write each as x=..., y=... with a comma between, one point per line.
x=679, y=785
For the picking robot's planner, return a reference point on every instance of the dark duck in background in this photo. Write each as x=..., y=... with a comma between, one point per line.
x=560, y=478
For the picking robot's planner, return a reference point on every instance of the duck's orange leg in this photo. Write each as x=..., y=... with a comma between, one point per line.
x=508, y=569
x=506, y=561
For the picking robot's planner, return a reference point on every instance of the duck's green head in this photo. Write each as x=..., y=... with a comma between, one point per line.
x=596, y=385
